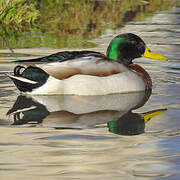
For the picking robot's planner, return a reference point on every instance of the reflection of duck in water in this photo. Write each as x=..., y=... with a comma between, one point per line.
x=76, y=111
x=88, y=72
x=132, y=123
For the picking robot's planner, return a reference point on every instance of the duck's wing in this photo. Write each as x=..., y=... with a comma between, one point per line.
x=87, y=65
x=60, y=57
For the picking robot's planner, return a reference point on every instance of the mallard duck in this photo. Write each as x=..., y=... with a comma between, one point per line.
x=88, y=72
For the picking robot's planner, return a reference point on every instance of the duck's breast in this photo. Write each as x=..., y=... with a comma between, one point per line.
x=143, y=74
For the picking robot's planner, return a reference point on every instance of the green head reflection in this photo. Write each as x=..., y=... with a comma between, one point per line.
x=133, y=123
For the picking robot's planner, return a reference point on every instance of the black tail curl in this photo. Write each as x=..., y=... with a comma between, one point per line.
x=18, y=70
x=32, y=73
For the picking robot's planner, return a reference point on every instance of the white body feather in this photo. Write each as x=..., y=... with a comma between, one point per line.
x=92, y=85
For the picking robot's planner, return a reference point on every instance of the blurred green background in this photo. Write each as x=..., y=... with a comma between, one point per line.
x=69, y=23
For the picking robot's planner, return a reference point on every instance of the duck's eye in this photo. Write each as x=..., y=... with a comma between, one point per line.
x=134, y=42
x=149, y=50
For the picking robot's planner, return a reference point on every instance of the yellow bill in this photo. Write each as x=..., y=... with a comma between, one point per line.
x=148, y=115
x=150, y=54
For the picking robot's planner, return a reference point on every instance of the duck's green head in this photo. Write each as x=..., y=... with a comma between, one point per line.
x=126, y=47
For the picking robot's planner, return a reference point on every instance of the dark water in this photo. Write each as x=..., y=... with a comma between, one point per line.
x=105, y=137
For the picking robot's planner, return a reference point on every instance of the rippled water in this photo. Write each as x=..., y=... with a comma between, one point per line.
x=107, y=137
